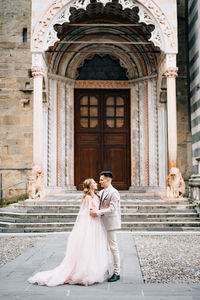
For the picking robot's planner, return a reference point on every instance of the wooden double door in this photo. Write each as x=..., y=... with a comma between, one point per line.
x=102, y=135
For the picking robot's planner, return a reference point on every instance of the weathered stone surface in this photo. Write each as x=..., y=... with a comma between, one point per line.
x=16, y=120
x=16, y=108
x=184, y=160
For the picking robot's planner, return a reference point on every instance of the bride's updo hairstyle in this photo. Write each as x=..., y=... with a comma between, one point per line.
x=86, y=188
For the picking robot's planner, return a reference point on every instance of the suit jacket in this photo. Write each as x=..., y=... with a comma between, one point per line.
x=111, y=216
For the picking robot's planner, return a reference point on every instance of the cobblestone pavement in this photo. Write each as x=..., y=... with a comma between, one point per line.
x=165, y=259
x=12, y=246
x=48, y=252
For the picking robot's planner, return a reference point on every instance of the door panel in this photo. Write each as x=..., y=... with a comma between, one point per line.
x=114, y=139
x=102, y=135
x=115, y=160
x=88, y=163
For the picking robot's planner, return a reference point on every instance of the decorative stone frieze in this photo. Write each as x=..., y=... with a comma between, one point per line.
x=102, y=84
x=58, y=12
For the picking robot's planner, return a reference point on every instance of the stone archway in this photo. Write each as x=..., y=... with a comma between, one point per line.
x=58, y=12
x=62, y=69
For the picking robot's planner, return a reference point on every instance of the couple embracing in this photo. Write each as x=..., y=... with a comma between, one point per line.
x=93, y=236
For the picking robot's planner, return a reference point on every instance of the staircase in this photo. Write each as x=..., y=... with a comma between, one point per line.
x=140, y=212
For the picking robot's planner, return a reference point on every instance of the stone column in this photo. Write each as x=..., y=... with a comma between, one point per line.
x=69, y=129
x=162, y=144
x=135, y=140
x=171, y=75
x=38, y=74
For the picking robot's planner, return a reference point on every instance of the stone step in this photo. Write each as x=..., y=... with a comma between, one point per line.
x=123, y=194
x=140, y=212
x=73, y=204
x=124, y=224
x=69, y=220
x=68, y=229
x=61, y=215
x=125, y=201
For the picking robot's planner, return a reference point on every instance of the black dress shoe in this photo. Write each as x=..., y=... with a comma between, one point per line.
x=115, y=277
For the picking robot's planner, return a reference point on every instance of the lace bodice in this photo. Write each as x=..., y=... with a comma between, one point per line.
x=92, y=202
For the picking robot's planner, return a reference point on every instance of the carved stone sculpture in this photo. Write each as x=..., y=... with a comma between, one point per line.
x=175, y=184
x=36, y=183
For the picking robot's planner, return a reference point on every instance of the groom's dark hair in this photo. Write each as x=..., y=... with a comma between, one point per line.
x=106, y=174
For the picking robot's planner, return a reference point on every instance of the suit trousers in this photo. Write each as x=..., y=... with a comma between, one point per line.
x=112, y=241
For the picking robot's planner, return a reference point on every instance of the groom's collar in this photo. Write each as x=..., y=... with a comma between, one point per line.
x=107, y=189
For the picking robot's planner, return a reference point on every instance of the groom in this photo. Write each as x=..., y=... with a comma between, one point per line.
x=109, y=209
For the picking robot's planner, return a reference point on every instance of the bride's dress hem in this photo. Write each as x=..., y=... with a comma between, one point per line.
x=86, y=258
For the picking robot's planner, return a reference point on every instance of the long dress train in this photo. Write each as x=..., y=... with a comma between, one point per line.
x=86, y=259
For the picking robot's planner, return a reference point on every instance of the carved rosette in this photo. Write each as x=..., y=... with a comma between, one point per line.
x=59, y=13
x=171, y=73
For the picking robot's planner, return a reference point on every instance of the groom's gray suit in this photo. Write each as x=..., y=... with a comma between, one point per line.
x=111, y=216
x=109, y=210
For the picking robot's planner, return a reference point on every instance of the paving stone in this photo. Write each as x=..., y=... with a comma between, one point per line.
x=48, y=253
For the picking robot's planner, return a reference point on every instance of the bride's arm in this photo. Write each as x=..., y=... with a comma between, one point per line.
x=87, y=202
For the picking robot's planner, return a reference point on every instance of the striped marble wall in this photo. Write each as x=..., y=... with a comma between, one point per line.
x=194, y=76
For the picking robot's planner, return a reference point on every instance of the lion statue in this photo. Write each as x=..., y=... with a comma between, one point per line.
x=36, y=183
x=175, y=184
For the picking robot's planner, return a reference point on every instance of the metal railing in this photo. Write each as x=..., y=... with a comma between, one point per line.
x=8, y=187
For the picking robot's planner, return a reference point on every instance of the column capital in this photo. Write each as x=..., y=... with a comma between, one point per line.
x=37, y=71
x=171, y=72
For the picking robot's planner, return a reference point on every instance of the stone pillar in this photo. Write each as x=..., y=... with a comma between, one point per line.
x=37, y=116
x=171, y=74
x=69, y=129
x=162, y=144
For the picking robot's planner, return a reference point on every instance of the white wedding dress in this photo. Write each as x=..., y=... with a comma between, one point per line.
x=87, y=256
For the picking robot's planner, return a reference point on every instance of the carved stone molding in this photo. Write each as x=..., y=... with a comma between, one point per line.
x=102, y=84
x=153, y=133
x=37, y=72
x=142, y=134
x=146, y=120
x=170, y=61
x=135, y=135
x=58, y=135
x=52, y=134
x=59, y=12
x=172, y=72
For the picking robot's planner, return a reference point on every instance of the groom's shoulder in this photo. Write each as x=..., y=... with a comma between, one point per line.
x=114, y=190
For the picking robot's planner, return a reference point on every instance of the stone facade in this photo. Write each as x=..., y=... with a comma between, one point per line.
x=193, y=38
x=15, y=94
x=16, y=114
x=183, y=113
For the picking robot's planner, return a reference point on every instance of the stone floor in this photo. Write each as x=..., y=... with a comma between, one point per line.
x=169, y=258
x=48, y=252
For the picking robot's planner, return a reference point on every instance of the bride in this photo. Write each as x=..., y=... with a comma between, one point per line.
x=86, y=257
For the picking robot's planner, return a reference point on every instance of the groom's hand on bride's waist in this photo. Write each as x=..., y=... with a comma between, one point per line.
x=93, y=213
